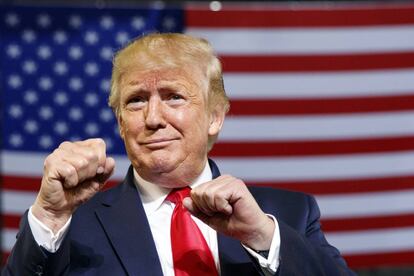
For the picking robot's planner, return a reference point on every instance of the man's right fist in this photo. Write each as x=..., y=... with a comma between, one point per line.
x=72, y=174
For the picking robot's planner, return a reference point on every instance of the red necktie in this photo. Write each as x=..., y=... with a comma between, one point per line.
x=191, y=254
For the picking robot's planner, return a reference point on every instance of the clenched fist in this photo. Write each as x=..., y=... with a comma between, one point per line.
x=226, y=205
x=72, y=174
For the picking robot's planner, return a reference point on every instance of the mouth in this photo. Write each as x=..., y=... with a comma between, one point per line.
x=158, y=143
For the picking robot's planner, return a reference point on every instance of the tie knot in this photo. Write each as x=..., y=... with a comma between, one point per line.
x=177, y=195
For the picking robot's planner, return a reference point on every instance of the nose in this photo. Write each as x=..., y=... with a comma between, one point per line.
x=154, y=115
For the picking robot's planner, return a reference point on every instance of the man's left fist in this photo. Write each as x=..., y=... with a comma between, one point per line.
x=226, y=205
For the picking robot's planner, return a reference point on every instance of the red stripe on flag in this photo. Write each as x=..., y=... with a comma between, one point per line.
x=320, y=63
x=348, y=186
x=365, y=223
x=10, y=221
x=380, y=259
x=307, y=148
x=333, y=16
x=4, y=257
x=320, y=106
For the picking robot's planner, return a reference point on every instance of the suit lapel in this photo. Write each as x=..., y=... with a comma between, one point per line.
x=123, y=218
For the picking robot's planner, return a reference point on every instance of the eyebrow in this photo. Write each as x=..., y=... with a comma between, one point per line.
x=133, y=82
x=137, y=87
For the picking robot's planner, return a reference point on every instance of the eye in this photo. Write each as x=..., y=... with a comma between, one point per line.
x=135, y=102
x=176, y=97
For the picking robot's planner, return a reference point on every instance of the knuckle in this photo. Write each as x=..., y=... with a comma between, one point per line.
x=237, y=182
x=70, y=170
x=81, y=163
x=90, y=155
x=65, y=144
x=221, y=206
x=99, y=142
x=51, y=159
x=57, y=152
x=48, y=161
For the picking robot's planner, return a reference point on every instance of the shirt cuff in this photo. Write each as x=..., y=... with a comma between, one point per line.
x=44, y=236
x=271, y=264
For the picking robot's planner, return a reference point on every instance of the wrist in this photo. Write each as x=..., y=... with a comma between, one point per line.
x=53, y=219
x=261, y=240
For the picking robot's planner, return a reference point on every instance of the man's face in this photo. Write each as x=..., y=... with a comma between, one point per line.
x=165, y=123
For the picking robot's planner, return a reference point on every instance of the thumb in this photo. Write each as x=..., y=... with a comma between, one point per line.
x=190, y=206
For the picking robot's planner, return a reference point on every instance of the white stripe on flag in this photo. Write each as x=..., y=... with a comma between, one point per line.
x=276, y=169
x=321, y=127
x=31, y=164
x=273, y=169
x=320, y=85
x=366, y=204
x=371, y=241
x=8, y=238
x=16, y=202
x=308, y=40
x=319, y=167
x=22, y=163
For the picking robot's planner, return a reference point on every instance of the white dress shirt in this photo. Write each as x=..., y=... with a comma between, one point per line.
x=159, y=212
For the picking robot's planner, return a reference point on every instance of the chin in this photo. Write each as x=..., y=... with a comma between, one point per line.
x=162, y=164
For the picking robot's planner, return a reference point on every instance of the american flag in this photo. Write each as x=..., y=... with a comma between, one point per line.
x=322, y=100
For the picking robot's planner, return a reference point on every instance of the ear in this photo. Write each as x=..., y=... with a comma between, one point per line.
x=216, y=121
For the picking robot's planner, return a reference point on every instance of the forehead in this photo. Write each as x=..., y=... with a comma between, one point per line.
x=191, y=79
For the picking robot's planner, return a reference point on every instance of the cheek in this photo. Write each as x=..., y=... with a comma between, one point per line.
x=190, y=120
x=130, y=127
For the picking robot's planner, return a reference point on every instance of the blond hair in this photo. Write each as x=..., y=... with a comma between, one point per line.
x=173, y=50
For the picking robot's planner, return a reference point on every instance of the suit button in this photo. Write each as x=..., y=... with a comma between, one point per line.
x=39, y=270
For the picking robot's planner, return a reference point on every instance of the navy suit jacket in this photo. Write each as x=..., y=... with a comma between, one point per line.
x=110, y=235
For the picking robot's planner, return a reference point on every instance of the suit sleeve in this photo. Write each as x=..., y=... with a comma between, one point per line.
x=309, y=253
x=28, y=258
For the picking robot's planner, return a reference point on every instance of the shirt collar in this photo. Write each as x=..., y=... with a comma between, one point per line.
x=153, y=195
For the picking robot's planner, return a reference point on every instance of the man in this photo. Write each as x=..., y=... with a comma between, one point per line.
x=168, y=96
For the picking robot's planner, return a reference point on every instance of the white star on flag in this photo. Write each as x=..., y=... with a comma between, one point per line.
x=29, y=36
x=13, y=51
x=75, y=21
x=44, y=20
x=60, y=37
x=107, y=22
x=29, y=66
x=12, y=19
